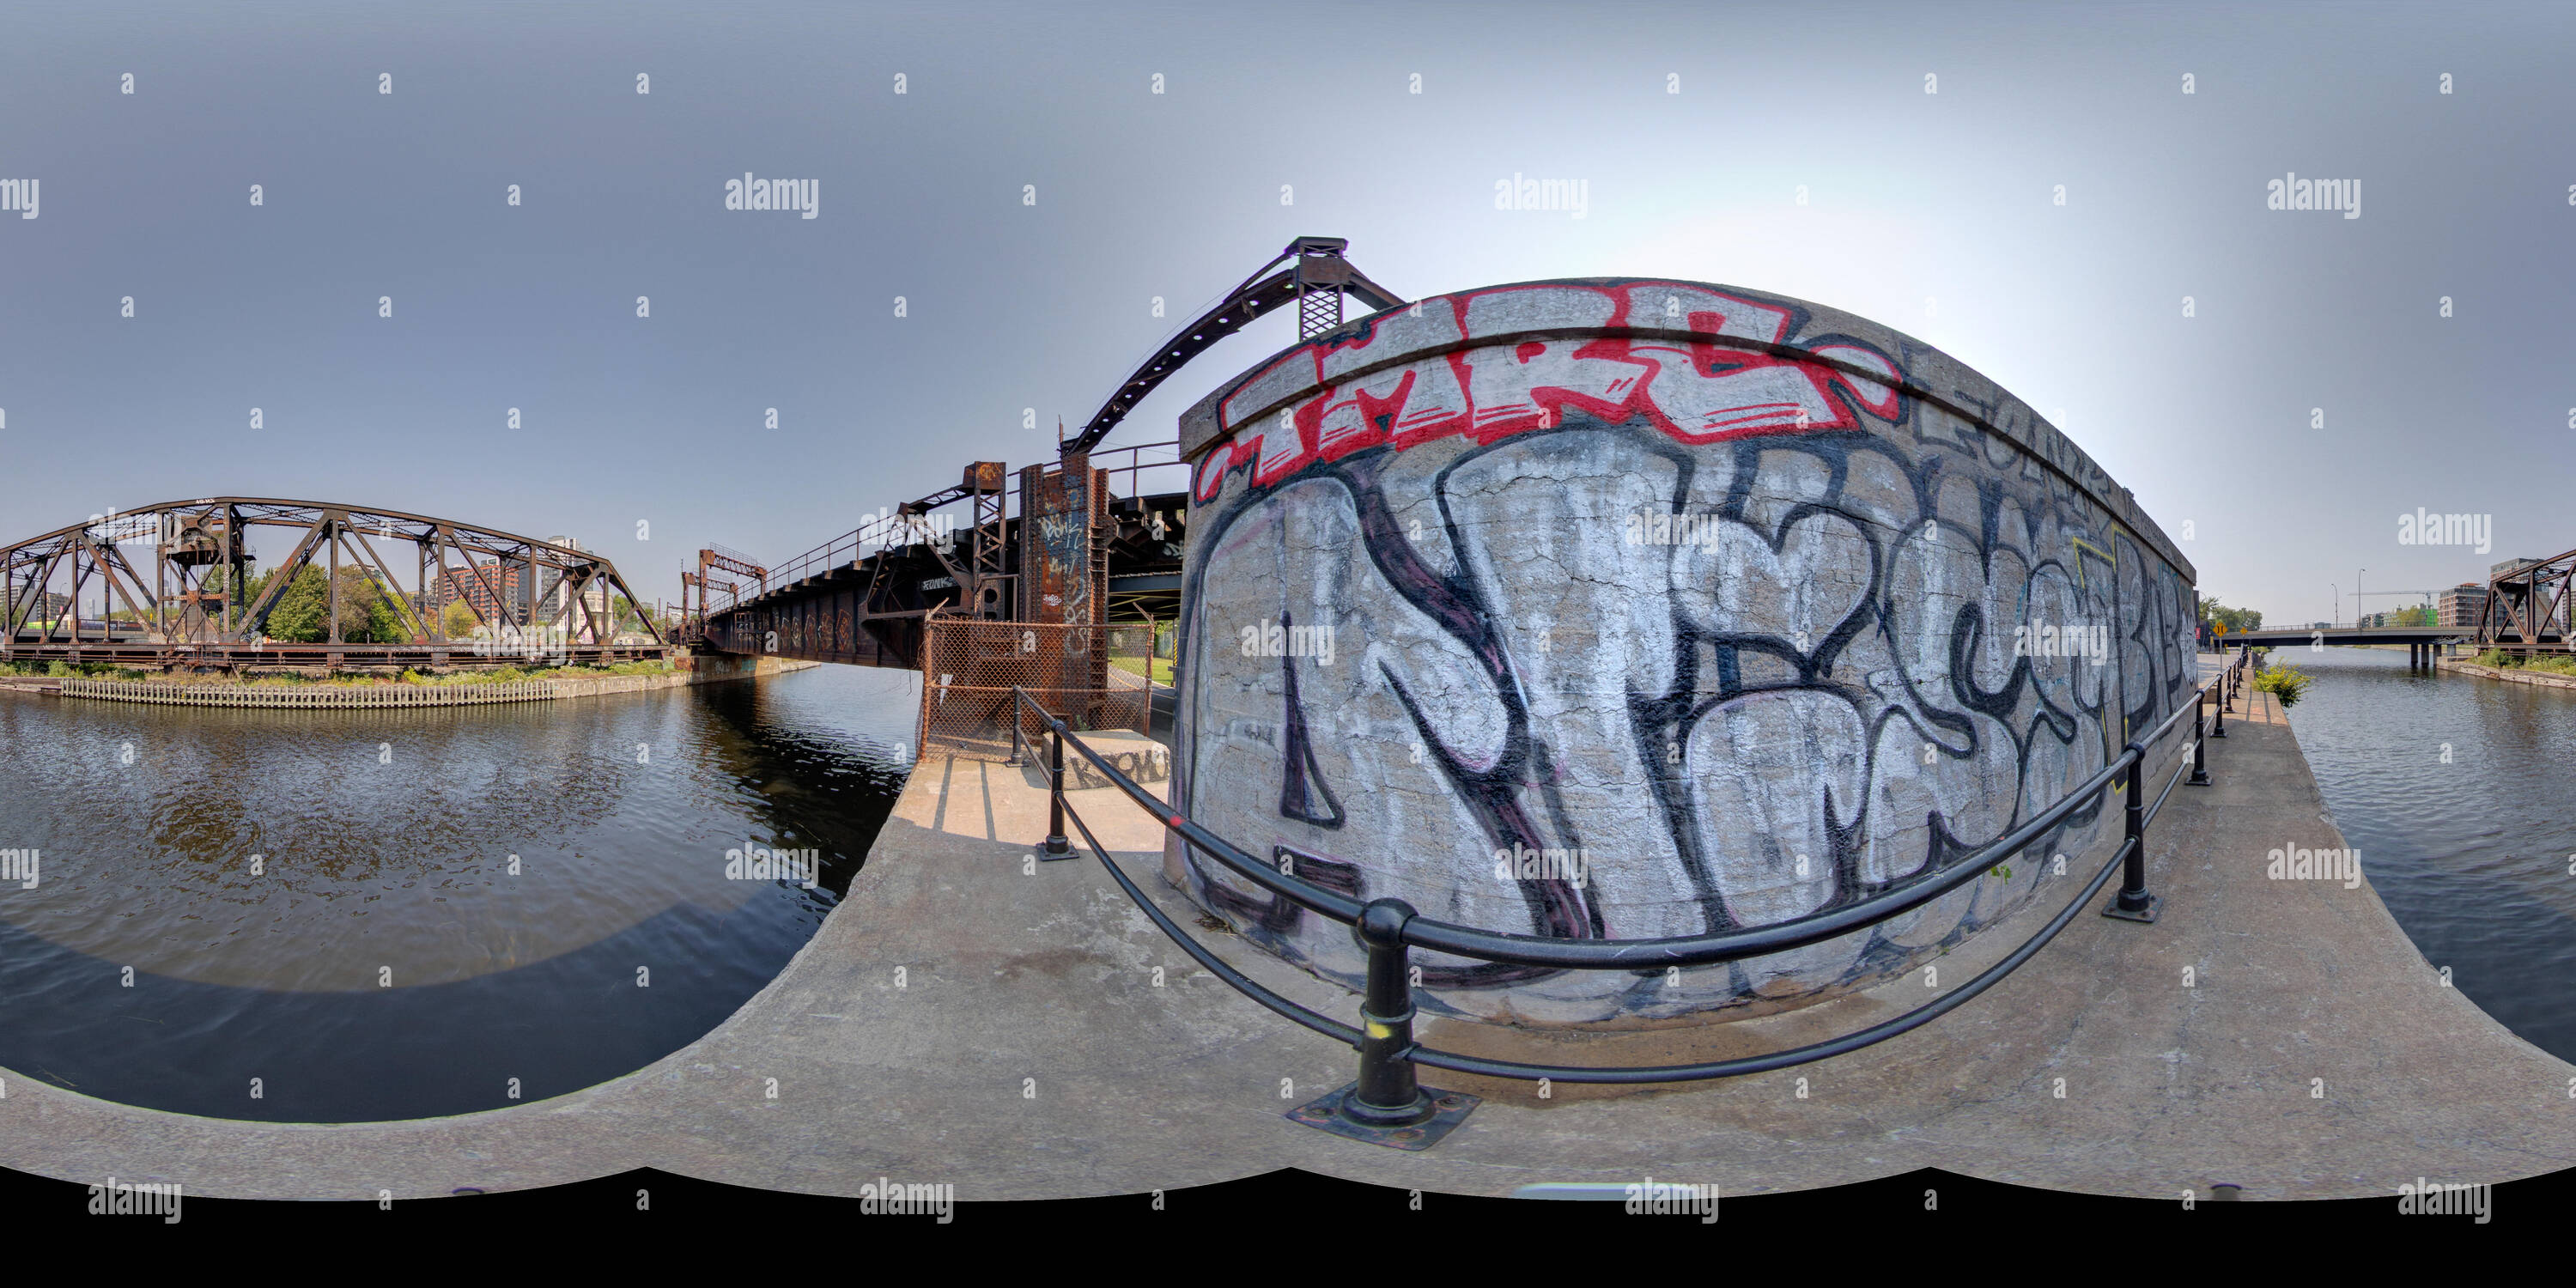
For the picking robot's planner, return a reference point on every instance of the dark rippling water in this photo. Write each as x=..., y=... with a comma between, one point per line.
x=2472, y=856
x=385, y=962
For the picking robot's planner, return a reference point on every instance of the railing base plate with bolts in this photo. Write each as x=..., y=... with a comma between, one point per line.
x=1449, y=1108
x=2155, y=905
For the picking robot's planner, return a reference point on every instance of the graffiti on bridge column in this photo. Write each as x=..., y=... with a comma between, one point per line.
x=1628, y=636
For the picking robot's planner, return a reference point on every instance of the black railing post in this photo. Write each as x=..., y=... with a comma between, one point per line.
x=1387, y=1094
x=2218, y=709
x=2133, y=903
x=1057, y=847
x=2199, y=742
x=1387, y=1105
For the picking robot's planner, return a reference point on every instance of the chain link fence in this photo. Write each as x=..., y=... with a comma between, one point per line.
x=1143, y=649
x=1093, y=677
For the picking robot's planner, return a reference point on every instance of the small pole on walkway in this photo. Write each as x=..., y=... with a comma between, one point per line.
x=2133, y=903
x=2199, y=742
x=1387, y=1093
x=1057, y=847
x=1387, y=1105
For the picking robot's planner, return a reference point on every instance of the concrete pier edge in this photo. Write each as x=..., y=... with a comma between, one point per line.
x=1028, y=1050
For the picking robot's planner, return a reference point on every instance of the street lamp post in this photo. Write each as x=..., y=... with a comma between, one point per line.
x=2356, y=598
x=2335, y=618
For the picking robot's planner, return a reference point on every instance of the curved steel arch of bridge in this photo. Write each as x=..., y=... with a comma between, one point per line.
x=528, y=597
x=864, y=597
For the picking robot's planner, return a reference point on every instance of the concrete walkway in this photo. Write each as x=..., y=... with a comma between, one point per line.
x=969, y=1016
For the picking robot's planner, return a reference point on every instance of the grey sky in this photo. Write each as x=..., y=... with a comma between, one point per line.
x=1948, y=197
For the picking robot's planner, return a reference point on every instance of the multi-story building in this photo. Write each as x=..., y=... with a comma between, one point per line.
x=2461, y=605
x=486, y=588
x=49, y=606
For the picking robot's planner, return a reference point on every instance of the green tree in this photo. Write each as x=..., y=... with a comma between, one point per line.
x=303, y=612
x=303, y=609
x=387, y=613
x=2215, y=615
x=458, y=620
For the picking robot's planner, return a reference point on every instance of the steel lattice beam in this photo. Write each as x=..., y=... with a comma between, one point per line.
x=1315, y=268
x=193, y=540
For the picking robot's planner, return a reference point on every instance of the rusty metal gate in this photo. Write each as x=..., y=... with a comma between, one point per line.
x=968, y=669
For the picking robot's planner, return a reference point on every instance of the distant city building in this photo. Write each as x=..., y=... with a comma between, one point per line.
x=499, y=593
x=2461, y=605
x=485, y=589
x=49, y=607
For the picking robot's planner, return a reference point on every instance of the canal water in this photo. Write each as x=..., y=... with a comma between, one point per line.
x=334, y=916
x=2460, y=794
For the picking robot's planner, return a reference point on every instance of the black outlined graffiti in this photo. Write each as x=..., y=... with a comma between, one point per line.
x=1749, y=673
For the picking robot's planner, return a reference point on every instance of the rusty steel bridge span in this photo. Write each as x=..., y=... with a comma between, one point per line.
x=197, y=606
x=1092, y=539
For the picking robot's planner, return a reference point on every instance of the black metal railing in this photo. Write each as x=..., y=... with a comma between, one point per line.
x=1387, y=1104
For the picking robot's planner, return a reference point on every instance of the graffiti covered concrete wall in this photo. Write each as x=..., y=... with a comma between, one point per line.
x=1625, y=609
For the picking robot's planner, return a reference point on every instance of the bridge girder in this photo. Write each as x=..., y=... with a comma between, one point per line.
x=194, y=540
x=1316, y=279
x=2526, y=604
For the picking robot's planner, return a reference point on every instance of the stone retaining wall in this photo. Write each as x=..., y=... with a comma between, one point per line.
x=2514, y=675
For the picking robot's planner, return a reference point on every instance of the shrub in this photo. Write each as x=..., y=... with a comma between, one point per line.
x=2286, y=683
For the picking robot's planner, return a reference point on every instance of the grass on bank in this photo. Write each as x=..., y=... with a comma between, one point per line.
x=2559, y=665
x=1162, y=672
x=500, y=675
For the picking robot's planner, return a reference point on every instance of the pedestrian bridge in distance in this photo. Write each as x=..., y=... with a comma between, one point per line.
x=2422, y=642
x=2351, y=635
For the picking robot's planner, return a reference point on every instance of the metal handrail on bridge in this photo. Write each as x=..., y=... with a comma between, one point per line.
x=1387, y=1105
x=880, y=533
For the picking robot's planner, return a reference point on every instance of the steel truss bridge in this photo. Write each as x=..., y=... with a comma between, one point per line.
x=2527, y=608
x=864, y=597
x=529, y=597
x=2525, y=614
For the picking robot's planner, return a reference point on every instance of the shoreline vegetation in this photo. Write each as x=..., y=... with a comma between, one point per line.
x=342, y=679
x=2559, y=665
